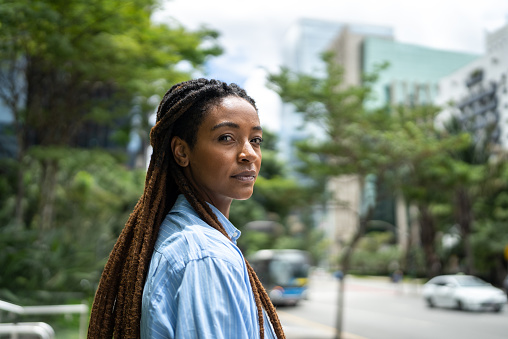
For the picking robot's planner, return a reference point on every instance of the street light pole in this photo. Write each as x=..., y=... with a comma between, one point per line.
x=340, y=308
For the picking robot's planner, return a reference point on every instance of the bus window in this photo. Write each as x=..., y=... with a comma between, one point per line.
x=284, y=273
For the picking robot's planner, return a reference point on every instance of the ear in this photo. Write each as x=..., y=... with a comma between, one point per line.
x=180, y=151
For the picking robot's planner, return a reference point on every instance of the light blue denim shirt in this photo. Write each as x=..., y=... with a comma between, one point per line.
x=197, y=284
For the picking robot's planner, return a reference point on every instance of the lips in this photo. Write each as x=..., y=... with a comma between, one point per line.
x=246, y=176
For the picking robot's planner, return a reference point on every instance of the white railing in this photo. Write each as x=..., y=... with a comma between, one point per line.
x=43, y=330
x=82, y=309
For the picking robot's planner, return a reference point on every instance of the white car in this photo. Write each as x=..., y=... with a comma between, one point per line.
x=464, y=292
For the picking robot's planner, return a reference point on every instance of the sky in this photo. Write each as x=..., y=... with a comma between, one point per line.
x=252, y=32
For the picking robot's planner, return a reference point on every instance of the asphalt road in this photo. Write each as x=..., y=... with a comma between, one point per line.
x=378, y=309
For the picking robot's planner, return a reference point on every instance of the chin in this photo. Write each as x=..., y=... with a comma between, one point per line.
x=243, y=196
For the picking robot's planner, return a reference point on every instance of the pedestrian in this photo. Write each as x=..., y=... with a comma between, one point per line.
x=175, y=270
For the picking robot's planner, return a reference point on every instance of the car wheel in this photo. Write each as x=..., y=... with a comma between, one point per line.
x=459, y=305
x=430, y=303
x=497, y=309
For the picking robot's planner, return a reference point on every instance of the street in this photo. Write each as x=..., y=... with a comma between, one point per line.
x=378, y=309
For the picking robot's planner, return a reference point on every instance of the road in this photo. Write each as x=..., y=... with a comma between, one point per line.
x=378, y=309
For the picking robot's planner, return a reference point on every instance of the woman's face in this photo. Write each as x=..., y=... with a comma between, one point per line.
x=225, y=160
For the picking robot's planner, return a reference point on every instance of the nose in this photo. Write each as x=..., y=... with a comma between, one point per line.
x=247, y=153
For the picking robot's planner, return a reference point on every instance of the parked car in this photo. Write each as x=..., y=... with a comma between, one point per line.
x=464, y=292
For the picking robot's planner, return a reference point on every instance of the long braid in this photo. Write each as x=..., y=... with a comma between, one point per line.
x=116, y=311
x=266, y=302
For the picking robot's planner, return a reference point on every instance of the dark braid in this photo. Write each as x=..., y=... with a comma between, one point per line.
x=116, y=310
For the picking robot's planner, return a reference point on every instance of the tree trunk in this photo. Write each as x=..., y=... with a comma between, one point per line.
x=346, y=262
x=464, y=217
x=48, y=185
x=20, y=184
x=428, y=236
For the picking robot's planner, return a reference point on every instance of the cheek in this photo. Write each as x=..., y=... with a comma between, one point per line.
x=258, y=162
x=221, y=161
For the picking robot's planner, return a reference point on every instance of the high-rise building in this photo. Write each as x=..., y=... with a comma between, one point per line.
x=412, y=74
x=478, y=92
x=306, y=40
x=413, y=71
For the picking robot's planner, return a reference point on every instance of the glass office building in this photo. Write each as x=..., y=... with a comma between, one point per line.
x=305, y=42
x=413, y=72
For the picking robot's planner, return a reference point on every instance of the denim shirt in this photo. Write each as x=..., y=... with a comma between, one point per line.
x=197, y=284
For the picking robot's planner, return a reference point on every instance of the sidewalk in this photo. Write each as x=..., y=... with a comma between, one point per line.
x=407, y=286
x=299, y=328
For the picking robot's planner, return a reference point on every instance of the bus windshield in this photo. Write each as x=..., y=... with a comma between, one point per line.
x=284, y=274
x=281, y=267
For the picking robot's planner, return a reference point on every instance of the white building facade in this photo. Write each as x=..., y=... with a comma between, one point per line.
x=477, y=93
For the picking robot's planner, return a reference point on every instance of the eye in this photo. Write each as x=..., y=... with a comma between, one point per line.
x=226, y=138
x=257, y=141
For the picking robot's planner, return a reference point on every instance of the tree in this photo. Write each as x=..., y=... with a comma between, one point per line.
x=380, y=144
x=339, y=111
x=490, y=236
x=94, y=195
x=476, y=175
x=66, y=64
x=428, y=180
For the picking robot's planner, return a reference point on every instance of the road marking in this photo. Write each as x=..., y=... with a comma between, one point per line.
x=309, y=323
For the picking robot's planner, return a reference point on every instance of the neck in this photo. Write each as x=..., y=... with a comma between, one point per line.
x=223, y=205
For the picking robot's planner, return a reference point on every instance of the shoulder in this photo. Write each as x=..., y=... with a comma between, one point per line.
x=184, y=240
x=184, y=237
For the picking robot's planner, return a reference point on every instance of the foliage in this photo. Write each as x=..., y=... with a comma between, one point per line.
x=337, y=109
x=399, y=146
x=473, y=183
x=244, y=211
x=95, y=194
x=375, y=255
x=77, y=61
x=73, y=71
x=279, y=195
x=375, y=263
x=252, y=241
x=490, y=233
x=488, y=242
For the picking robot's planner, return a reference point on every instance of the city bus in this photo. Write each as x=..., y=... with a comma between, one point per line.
x=284, y=274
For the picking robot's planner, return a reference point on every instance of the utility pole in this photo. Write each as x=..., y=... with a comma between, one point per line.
x=340, y=308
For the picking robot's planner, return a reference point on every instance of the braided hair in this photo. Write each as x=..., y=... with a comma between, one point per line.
x=116, y=311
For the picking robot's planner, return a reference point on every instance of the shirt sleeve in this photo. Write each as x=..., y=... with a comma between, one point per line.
x=214, y=301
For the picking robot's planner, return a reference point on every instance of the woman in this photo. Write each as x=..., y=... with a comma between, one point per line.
x=206, y=152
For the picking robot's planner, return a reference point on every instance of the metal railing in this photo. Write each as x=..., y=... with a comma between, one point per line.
x=81, y=309
x=43, y=330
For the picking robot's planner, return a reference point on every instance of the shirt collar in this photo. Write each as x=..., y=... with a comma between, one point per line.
x=231, y=230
